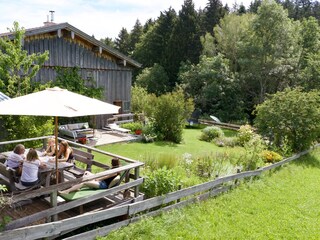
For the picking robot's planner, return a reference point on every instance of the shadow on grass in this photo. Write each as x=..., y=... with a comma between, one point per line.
x=165, y=144
x=308, y=160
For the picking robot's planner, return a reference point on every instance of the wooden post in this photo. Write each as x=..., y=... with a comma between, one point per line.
x=136, y=176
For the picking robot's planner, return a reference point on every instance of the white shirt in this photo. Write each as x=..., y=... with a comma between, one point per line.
x=30, y=171
x=14, y=160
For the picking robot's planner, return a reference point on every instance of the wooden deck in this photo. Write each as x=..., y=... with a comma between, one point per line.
x=44, y=205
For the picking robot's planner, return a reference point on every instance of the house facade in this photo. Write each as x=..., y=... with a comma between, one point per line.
x=70, y=47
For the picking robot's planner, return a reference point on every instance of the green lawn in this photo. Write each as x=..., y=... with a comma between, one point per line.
x=283, y=204
x=190, y=144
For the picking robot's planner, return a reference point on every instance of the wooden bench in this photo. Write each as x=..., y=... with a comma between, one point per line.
x=7, y=177
x=83, y=157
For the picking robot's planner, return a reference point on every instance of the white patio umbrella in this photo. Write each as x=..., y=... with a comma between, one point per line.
x=56, y=102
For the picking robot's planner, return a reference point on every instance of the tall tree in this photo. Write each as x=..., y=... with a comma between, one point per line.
x=185, y=42
x=270, y=54
x=213, y=12
x=17, y=68
x=153, y=45
x=122, y=42
x=108, y=41
x=135, y=35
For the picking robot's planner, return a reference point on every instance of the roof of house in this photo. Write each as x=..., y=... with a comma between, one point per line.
x=3, y=97
x=66, y=26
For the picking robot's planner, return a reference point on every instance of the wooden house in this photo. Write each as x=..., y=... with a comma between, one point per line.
x=70, y=47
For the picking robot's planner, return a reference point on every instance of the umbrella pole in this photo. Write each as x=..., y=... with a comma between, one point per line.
x=56, y=142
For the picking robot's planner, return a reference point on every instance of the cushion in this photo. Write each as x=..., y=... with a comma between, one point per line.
x=73, y=126
x=85, y=126
x=84, y=192
x=114, y=181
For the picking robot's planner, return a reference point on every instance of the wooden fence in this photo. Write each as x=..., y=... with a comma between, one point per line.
x=135, y=211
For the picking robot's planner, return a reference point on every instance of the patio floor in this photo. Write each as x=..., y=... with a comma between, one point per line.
x=103, y=137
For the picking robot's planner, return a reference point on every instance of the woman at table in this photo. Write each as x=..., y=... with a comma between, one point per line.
x=51, y=149
x=30, y=169
x=16, y=158
x=100, y=183
x=65, y=153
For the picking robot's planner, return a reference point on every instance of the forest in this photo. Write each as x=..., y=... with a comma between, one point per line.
x=228, y=60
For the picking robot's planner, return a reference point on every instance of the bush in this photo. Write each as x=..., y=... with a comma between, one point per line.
x=160, y=182
x=210, y=133
x=251, y=160
x=226, y=141
x=292, y=116
x=132, y=126
x=270, y=156
x=164, y=160
x=245, y=134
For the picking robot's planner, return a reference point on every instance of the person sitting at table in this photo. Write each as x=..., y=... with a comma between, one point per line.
x=30, y=169
x=65, y=153
x=100, y=183
x=51, y=149
x=16, y=158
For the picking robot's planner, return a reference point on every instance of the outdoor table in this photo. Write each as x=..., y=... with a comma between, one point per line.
x=50, y=168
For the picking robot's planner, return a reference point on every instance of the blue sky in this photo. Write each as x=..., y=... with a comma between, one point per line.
x=101, y=18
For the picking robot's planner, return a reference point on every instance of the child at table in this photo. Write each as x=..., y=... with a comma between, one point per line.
x=51, y=149
x=30, y=169
x=16, y=158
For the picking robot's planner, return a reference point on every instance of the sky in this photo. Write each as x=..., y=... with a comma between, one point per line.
x=100, y=18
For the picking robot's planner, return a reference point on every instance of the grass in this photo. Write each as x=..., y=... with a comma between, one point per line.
x=190, y=144
x=282, y=204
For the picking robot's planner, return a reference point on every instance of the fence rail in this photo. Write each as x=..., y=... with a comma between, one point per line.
x=135, y=211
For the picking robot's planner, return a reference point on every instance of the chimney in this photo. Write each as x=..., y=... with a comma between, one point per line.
x=52, y=15
x=47, y=23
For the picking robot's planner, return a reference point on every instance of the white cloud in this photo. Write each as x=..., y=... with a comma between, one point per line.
x=101, y=18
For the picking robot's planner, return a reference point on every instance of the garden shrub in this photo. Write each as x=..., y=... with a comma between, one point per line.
x=160, y=182
x=226, y=141
x=212, y=165
x=270, y=156
x=148, y=133
x=210, y=133
x=252, y=159
x=132, y=126
x=164, y=160
x=245, y=134
x=292, y=115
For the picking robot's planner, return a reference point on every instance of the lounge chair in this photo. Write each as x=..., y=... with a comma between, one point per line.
x=115, y=127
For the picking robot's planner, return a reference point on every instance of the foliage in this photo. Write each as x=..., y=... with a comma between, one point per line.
x=169, y=113
x=292, y=115
x=214, y=87
x=153, y=162
x=140, y=100
x=154, y=79
x=226, y=141
x=270, y=156
x=210, y=133
x=17, y=68
x=132, y=126
x=245, y=134
x=160, y=182
x=148, y=132
x=71, y=79
x=122, y=42
x=251, y=211
x=251, y=159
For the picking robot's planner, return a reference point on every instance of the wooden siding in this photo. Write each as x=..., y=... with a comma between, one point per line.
x=66, y=52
